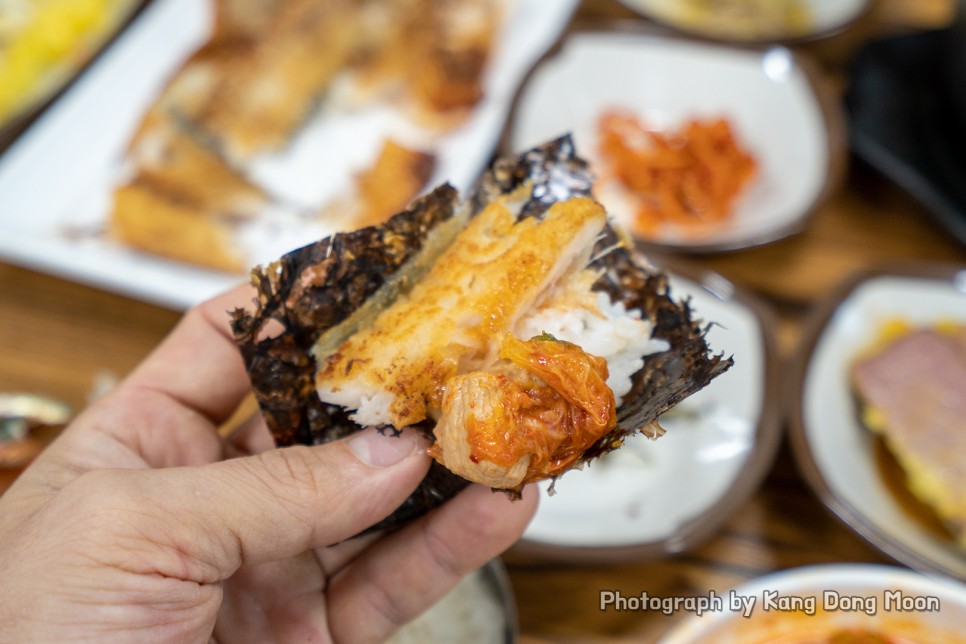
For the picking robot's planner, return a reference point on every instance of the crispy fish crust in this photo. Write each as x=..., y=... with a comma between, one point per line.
x=326, y=288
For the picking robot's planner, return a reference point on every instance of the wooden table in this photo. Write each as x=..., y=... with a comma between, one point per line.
x=66, y=340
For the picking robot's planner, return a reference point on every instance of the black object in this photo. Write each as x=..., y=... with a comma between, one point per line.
x=906, y=106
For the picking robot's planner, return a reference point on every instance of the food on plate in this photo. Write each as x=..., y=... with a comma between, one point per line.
x=838, y=635
x=252, y=86
x=745, y=19
x=516, y=328
x=182, y=202
x=688, y=179
x=264, y=83
x=42, y=42
x=380, y=191
x=181, y=168
x=189, y=190
x=147, y=219
x=860, y=636
x=432, y=52
x=833, y=635
x=912, y=390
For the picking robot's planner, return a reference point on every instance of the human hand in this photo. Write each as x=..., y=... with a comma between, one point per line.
x=133, y=526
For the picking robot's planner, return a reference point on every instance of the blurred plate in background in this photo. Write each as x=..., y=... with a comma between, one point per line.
x=838, y=456
x=653, y=498
x=56, y=182
x=790, y=127
x=753, y=20
x=834, y=601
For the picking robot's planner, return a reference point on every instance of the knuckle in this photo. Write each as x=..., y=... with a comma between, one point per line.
x=387, y=606
x=291, y=469
x=288, y=477
x=442, y=554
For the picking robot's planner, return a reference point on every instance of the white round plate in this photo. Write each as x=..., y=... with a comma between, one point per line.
x=651, y=498
x=907, y=607
x=836, y=454
x=768, y=97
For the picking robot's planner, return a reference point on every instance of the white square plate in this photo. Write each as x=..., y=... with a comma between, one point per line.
x=56, y=181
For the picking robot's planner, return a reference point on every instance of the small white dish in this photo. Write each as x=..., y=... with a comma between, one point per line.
x=775, y=107
x=897, y=603
x=653, y=498
x=481, y=609
x=56, y=180
x=737, y=21
x=836, y=454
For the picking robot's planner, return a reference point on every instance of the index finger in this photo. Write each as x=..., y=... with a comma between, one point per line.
x=199, y=365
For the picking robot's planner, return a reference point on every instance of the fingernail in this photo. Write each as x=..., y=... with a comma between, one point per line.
x=378, y=450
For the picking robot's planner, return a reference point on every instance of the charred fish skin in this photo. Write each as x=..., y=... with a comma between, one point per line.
x=553, y=172
x=306, y=293
x=313, y=290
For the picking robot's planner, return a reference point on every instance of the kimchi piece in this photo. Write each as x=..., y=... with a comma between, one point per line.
x=687, y=179
x=530, y=417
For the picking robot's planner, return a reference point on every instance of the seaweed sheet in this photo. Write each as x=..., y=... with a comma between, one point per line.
x=313, y=289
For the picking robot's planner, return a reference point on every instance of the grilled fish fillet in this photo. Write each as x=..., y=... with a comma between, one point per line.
x=393, y=372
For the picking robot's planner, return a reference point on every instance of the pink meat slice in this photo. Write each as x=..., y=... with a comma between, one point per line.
x=918, y=385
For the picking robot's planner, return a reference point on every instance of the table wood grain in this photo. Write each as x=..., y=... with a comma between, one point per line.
x=67, y=340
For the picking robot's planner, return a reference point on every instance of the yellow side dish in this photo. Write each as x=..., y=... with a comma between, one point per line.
x=43, y=41
x=745, y=19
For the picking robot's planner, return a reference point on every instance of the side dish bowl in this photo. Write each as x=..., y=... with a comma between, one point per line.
x=838, y=456
x=754, y=20
x=872, y=603
x=778, y=110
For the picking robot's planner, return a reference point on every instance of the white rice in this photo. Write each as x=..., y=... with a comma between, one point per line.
x=612, y=332
x=572, y=313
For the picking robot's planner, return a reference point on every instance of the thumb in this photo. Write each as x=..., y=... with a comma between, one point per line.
x=204, y=522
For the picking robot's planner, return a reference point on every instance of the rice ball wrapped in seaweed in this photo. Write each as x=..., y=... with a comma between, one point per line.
x=517, y=329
